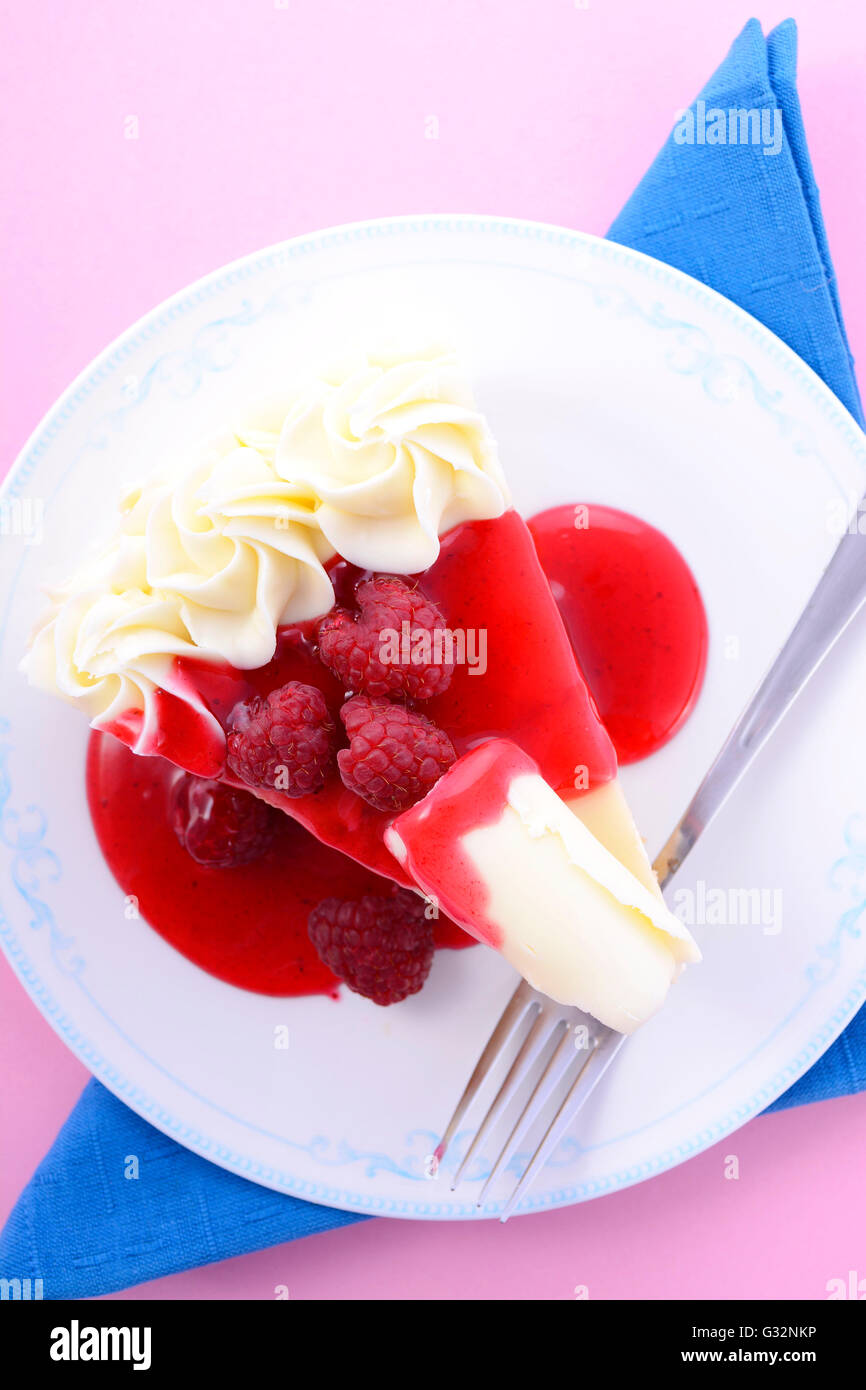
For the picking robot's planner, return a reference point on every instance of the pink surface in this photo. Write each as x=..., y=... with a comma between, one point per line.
x=257, y=121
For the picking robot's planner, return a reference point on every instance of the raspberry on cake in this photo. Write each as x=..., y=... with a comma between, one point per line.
x=392, y=615
x=395, y=755
x=284, y=741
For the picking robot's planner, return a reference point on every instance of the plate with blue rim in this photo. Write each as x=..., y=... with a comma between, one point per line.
x=606, y=377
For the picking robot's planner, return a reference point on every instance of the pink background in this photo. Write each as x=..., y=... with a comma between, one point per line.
x=260, y=120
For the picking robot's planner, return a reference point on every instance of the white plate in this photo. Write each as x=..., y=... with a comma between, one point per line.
x=606, y=376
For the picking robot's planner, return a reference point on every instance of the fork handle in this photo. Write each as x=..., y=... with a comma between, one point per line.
x=839, y=594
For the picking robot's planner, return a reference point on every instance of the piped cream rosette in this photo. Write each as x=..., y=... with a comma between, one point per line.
x=374, y=461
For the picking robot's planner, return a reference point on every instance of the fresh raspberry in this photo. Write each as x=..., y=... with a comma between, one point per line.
x=382, y=947
x=284, y=740
x=366, y=650
x=394, y=756
x=219, y=825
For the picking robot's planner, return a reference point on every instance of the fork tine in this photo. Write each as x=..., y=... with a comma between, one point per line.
x=540, y=1093
x=511, y=1017
x=530, y=1049
x=588, y=1077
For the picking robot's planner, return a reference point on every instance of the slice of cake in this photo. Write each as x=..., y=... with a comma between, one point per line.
x=332, y=605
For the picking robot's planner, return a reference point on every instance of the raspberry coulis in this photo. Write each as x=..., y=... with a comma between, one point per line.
x=635, y=618
x=248, y=925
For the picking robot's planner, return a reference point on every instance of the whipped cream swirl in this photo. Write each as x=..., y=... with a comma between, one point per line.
x=238, y=547
x=398, y=453
x=207, y=567
x=111, y=654
x=208, y=560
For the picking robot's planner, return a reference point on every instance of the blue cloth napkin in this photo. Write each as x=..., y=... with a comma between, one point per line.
x=745, y=221
x=748, y=224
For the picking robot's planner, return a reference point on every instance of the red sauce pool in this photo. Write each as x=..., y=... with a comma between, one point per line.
x=246, y=925
x=635, y=618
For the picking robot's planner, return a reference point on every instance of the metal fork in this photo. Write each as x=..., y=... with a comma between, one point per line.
x=557, y=1032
